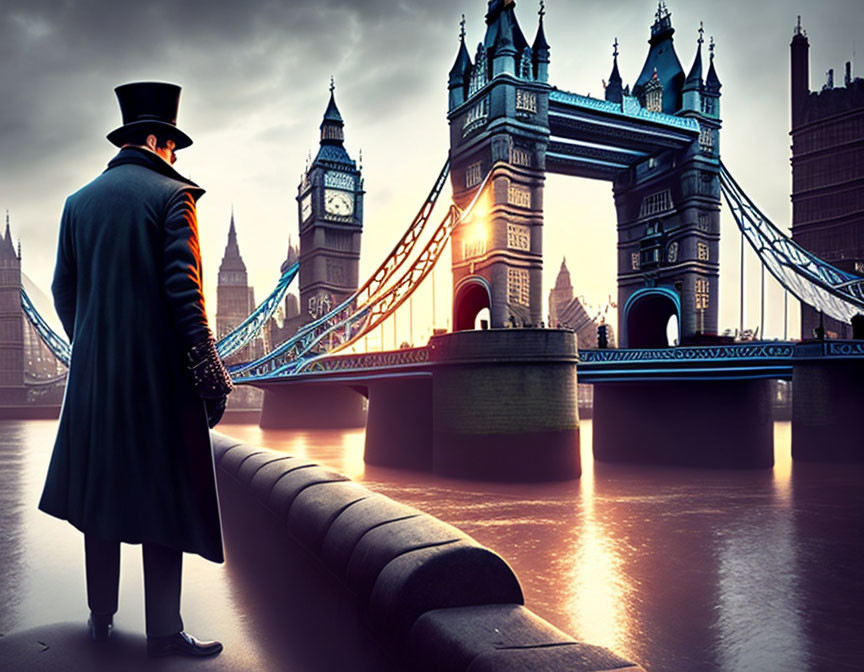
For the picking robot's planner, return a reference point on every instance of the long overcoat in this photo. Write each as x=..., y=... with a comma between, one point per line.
x=132, y=461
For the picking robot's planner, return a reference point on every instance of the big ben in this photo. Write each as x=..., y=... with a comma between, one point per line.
x=330, y=211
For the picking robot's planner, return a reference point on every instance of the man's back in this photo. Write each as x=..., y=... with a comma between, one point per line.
x=127, y=288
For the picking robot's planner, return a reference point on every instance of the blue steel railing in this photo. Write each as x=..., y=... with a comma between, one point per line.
x=226, y=346
x=817, y=283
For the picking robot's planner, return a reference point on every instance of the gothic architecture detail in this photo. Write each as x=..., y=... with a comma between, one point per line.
x=497, y=264
x=658, y=143
x=330, y=213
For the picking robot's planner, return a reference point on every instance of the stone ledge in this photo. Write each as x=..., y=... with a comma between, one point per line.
x=427, y=590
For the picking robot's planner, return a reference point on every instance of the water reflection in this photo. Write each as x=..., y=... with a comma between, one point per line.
x=598, y=589
x=676, y=568
x=11, y=526
x=827, y=528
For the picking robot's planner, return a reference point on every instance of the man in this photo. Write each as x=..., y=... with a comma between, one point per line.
x=132, y=461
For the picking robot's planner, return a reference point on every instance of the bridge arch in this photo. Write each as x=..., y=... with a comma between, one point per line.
x=471, y=296
x=646, y=317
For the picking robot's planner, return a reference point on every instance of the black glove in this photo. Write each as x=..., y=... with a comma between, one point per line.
x=215, y=409
x=211, y=378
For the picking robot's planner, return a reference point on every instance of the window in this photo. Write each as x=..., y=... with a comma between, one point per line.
x=518, y=237
x=706, y=140
x=520, y=156
x=476, y=116
x=656, y=203
x=473, y=248
x=634, y=261
x=701, y=294
x=702, y=251
x=672, y=254
x=473, y=175
x=519, y=196
x=526, y=101
x=518, y=288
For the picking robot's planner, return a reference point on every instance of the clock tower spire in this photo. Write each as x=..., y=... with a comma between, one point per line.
x=330, y=213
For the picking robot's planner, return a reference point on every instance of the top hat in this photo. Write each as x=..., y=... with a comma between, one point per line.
x=149, y=106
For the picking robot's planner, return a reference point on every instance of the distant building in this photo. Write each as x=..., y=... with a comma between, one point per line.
x=827, y=172
x=568, y=312
x=330, y=214
x=12, y=390
x=235, y=300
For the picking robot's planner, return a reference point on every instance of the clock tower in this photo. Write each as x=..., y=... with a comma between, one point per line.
x=330, y=211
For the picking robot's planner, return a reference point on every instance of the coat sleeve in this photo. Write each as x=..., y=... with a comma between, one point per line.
x=64, y=287
x=182, y=270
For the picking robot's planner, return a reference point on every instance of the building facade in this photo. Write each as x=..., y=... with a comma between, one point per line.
x=235, y=300
x=12, y=389
x=827, y=172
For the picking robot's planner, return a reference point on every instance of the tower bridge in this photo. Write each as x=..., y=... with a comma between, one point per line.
x=501, y=402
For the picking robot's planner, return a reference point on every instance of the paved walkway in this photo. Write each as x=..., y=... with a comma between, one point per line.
x=271, y=608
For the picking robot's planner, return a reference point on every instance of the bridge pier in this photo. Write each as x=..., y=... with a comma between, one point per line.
x=399, y=423
x=505, y=405
x=827, y=402
x=312, y=406
x=710, y=423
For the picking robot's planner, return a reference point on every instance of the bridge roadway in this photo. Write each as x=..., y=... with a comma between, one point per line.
x=739, y=361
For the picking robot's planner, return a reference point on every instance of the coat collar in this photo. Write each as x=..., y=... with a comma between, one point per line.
x=142, y=157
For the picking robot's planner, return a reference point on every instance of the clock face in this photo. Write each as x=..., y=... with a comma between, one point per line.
x=338, y=202
x=306, y=207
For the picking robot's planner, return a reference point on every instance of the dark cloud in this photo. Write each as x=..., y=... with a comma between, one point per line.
x=255, y=77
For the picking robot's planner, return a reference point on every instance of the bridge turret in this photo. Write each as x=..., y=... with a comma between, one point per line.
x=711, y=92
x=662, y=58
x=504, y=46
x=503, y=122
x=540, y=49
x=614, y=87
x=693, y=85
x=460, y=73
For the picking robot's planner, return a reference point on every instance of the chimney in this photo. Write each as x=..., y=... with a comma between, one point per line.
x=847, y=80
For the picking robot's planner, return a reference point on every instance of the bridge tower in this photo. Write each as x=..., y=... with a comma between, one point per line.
x=12, y=390
x=498, y=114
x=668, y=206
x=330, y=210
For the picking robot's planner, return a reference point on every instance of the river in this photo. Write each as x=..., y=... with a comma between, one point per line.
x=678, y=569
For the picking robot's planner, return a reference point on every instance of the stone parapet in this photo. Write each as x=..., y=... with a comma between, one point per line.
x=431, y=595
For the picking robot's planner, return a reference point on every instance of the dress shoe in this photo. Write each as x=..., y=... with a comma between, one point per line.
x=100, y=626
x=181, y=643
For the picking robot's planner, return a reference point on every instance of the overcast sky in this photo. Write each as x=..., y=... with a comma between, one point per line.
x=255, y=79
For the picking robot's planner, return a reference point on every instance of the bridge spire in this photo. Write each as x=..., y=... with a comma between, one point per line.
x=7, y=248
x=460, y=73
x=540, y=49
x=712, y=82
x=332, y=125
x=614, y=87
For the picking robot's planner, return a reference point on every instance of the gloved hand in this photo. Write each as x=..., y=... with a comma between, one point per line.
x=211, y=378
x=215, y=409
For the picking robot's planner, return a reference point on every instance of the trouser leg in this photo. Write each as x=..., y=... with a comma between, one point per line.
x=162, y=573
x=102, y=561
